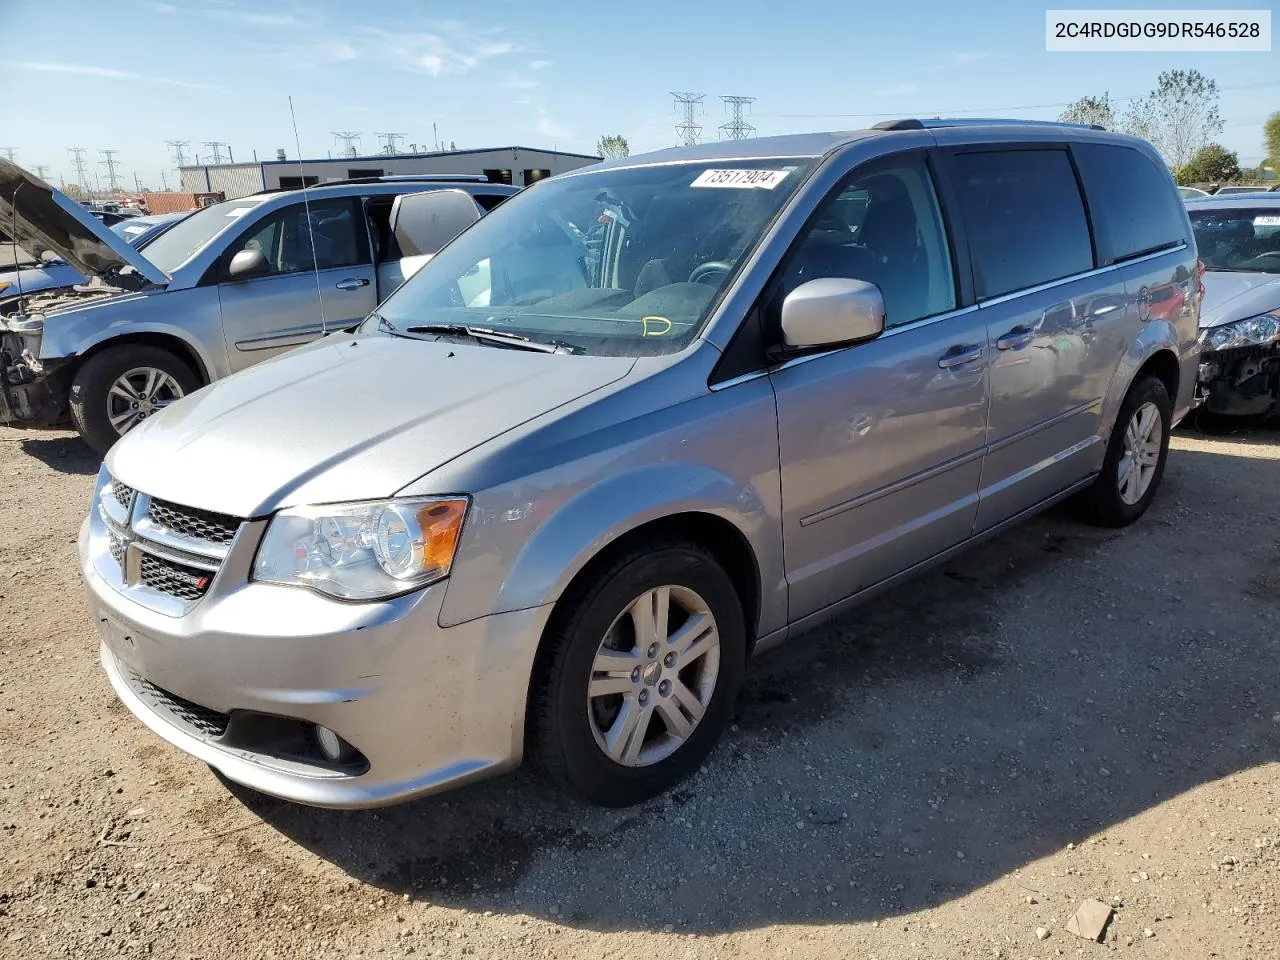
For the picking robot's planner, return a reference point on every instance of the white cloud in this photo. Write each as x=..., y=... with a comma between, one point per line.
x=257, y=19
x=967, y=56
x=897, y=90
x=550, y=128
x=519, y=81
x=156, y=6
x=111, y=73
x=451, y=47
x=540, y=64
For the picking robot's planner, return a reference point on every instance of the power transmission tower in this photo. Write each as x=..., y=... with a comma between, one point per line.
x=109, y=161
x=388, y=141
x=688, y=104
x=349, y=138
x=216, y=147
x=8, y=152
x=736, y=128
x=179, y=154
x=82, y=176
x=41, y=170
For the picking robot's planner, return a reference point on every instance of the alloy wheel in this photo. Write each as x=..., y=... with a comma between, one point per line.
x=1141, y=453
x=653, y=676
x=140, y=393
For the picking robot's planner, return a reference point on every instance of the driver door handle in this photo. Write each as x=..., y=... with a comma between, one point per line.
x=1019, y=336
x=352, y=283
x=959, y=355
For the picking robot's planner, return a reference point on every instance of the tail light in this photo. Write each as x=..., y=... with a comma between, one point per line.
x=1200, y=276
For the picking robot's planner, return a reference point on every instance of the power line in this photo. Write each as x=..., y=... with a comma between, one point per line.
x=688, y=129
x=215, y=146
x=82, y=176
x=736, y=128
x=350, y=139
x=388, y=141
x=109, y=161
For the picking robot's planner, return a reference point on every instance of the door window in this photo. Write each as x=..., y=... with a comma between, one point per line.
x=284, y=237
x=883, y=227
x=1024, y=218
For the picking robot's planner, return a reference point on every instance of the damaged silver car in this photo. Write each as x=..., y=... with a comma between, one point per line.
x=1239, y=241
x=227, y=287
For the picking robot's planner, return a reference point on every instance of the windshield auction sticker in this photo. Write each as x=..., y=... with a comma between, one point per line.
x=740, y=179
x=1173, y=31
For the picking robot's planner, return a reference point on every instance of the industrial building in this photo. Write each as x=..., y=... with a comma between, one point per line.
x=519, y=166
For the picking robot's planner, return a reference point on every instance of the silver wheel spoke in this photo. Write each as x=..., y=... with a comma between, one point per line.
x=694, y=637
x=688, y=700
x=649, y=616
x=616, y=661
x=624, y=725
x=124, y=390
x=1125, y=468
x=124, y=421
x=153, y=376
x=678, y=725
x=606, y=685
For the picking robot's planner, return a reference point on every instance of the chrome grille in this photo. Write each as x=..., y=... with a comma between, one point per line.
x=117, y=546
x=122, y=494
x=176, y=579
x=202, y=720
x=194, y=523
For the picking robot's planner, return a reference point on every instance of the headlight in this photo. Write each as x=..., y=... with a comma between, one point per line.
x=362, y=551
x=1250, y=332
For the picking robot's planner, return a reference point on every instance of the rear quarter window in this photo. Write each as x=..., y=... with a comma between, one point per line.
x=1024, y=218
x=1135, y=209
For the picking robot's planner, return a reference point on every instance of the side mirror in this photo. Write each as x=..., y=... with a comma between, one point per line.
x=830, y=311
x=247, y=264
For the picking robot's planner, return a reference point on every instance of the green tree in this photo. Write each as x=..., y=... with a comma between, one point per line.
x=1210, y=164
x=613, y=147
x=1087, y=110
x=1271, y=139
x=1183, y=112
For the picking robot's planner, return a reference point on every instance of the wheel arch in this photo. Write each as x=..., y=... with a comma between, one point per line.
x=179, y=346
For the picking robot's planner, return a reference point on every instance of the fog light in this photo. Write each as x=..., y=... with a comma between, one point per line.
x=331, y=745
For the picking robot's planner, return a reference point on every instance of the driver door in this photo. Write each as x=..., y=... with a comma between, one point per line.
x=301, y=295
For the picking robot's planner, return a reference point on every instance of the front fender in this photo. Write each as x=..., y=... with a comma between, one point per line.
x=582, y=527
x=192, y=316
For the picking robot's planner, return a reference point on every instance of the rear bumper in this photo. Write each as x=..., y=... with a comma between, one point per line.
x=426, y=708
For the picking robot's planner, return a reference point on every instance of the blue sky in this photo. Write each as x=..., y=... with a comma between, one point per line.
x=131, y=74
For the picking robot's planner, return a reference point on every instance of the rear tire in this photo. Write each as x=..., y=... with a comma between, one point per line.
x=1135, y=458
x=675, y=686
x=136, y=366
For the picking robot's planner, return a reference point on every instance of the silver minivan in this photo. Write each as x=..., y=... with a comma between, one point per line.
x=644, y=420
x=225, y=288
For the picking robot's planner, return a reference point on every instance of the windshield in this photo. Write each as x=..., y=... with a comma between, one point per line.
x=132, y=231
x=618, y=262
x=1241, y=239
x=181, y=242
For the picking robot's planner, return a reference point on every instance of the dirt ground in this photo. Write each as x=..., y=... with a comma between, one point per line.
x=1065, y=713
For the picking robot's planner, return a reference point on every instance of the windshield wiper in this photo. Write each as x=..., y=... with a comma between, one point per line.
x=503, y=338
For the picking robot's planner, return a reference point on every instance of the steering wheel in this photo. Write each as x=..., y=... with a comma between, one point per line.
x=709, y=269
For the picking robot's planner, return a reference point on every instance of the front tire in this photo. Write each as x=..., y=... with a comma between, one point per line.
x=115, y=390
x=1135, y=458
x=638, y=675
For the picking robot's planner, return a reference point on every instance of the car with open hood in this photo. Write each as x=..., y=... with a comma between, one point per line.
x=54, y=273
x=230, y=285
x=643, y=420
x=1239, y=241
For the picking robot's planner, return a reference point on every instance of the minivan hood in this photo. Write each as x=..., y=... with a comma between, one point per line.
x=1229, y=297
x=44, y=221
x=348, y=418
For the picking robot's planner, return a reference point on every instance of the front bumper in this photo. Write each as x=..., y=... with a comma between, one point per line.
x=427, y=708
x=1244, y=381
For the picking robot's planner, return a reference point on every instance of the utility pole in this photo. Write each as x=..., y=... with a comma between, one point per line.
x=688, y=104
x=137, y=184
x=9, y=152
x=737, y=128
x=77, y=160
x=109, y=161
x=349, y=138
x=41, y=172
x=215, y=146
x=388, y=141
x=164, y=181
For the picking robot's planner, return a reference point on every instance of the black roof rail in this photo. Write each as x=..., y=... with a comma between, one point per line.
x=911, y=123
x=412, y=178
